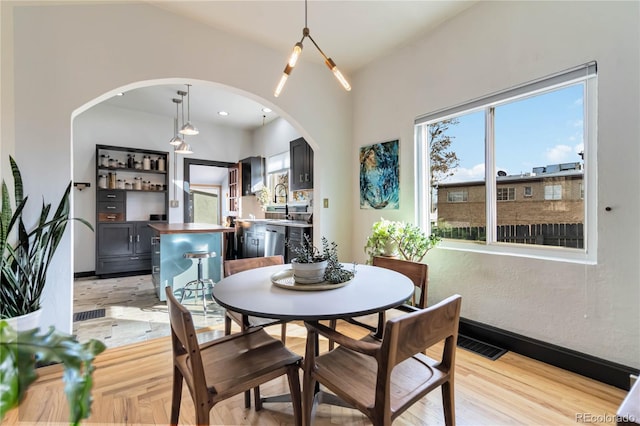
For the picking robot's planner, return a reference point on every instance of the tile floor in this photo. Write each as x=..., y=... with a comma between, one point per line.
x=133, y=312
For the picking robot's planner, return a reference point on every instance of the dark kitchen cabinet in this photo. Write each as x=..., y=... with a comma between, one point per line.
x=250, y=239
x=301, y=158
x=252, y=171
x=131, y=189
x=253, y=244
x=124, y=247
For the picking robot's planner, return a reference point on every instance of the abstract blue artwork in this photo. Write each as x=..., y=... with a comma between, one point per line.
x=380, y=176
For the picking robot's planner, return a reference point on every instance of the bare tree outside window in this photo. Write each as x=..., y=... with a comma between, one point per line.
x=443, y=160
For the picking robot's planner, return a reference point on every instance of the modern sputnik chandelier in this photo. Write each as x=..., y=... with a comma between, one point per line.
x=295, y=55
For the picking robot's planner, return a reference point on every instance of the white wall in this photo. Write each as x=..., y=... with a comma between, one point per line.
x=67, y=57
x=107, y=125
x=493, y=46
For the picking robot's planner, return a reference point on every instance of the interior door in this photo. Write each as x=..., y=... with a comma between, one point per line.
x=205, y=177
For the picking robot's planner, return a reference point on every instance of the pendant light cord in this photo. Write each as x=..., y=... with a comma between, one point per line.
x=188, y=104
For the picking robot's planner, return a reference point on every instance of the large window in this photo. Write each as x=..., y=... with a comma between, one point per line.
x=529, y=145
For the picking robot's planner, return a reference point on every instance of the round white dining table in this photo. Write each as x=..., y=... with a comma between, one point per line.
x=372, y=289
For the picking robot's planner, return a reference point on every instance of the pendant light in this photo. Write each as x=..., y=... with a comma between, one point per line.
x=297, y=51
x=188, y=128
x=184, y=147
x=176, y=140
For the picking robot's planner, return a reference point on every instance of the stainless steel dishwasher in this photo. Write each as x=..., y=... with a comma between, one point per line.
x=274, y=238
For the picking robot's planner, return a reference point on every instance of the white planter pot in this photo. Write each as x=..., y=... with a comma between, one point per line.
x=308, y=273
x=390, y=249
x=25, y=322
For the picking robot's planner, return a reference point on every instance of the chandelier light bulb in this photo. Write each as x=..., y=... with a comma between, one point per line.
x=332, y=66
x=295, y=55
x=283, y=80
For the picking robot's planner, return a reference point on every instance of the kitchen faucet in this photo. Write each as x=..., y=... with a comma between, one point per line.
x=286, y=198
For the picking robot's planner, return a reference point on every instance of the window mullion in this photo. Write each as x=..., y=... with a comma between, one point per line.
x=422, y=166
x=489, y=173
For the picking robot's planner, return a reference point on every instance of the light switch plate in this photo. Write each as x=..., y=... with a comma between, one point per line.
x=174, y=203
x=325, y=203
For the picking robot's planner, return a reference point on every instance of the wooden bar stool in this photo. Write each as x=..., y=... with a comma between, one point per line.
x=200, y=283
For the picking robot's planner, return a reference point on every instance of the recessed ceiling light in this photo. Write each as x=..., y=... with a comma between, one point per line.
x=265, y=109
x=223, y=113
x=120, y=94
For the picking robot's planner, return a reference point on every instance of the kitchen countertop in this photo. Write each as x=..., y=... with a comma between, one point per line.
x=283, y=222
x=188, y=228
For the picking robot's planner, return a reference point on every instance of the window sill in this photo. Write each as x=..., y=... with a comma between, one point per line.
x=556, y=254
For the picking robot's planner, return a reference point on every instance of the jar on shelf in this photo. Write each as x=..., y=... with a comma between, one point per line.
x=120, y=184
x=102, y=181
x=160, y=163
x=137, y=165
x=113, y=162
x=145, y=185
x=128, y=185
x=137, y=183
x=122, y=165
x=104, y=160
x=112, y=180
x=146, y=163
x=152, y=187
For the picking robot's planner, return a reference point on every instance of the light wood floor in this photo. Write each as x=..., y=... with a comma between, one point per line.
x=133, y=386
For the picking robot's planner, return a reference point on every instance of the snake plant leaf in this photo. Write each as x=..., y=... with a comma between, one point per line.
x=19, y=352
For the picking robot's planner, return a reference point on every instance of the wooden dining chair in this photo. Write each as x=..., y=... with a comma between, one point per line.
x=233, y=267
x=239, y=265
x=225, y=367
x=417, y=272
x=384, y=378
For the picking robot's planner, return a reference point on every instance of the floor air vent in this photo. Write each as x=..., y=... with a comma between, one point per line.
x=87, y=315
x=481, y=348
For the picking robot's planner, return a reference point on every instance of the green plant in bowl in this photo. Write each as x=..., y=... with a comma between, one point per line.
x=327, y=259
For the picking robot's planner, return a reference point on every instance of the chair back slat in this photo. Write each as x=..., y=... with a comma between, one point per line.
x=413, y=333
x=186, y=349
x=238, y=265
x=416, y=271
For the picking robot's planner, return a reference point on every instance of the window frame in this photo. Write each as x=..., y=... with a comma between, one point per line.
x=586, y=74
x=555, y=188
x=511, y=193
x=462, y=192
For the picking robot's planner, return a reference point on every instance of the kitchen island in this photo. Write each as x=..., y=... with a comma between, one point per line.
x=172, y=241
